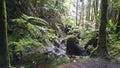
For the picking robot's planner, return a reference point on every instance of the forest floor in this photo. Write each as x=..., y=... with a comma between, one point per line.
x=91, y=63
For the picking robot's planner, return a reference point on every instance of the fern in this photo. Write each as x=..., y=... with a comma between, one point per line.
x=35, y=20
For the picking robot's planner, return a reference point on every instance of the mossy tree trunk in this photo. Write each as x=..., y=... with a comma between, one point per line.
x=101, y=50
x=4, y=57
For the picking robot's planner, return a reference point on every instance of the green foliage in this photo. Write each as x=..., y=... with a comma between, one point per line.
x=113, y=46
x=62, y=60
x=112, y=38
x=70, y=22
x=116, y=5
x=35, y=20
x=88, y=34
x=29, y=33
x=111, y=27
x=25, y=28
x=24, y=44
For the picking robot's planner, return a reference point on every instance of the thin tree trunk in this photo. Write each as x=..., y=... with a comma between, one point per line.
x=4, y=57
x=82, y=14
x=89, y=8
x=76, y=12
x=118, y=27
x=95, y=3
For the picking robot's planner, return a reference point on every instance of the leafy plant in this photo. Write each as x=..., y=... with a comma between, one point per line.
x=111, y=27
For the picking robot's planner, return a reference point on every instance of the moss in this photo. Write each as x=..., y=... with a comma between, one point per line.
x=94, y=53
x=36, y=57
x=43, y=61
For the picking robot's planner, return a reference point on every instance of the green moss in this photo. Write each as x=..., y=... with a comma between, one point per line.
x=30, y=58
x=42, y=60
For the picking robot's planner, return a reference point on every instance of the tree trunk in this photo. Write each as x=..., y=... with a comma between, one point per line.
x=118, y=27
x=4, y=57
x=88, y=8
x=76, y=12
x=95, y=4
x=101, y=50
